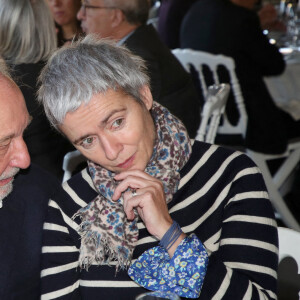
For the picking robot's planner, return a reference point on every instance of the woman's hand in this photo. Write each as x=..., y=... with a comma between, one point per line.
x=149, y=200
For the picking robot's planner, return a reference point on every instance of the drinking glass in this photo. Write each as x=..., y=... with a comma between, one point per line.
x=158, y=295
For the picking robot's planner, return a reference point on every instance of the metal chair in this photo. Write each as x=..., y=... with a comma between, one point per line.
x=276, y=184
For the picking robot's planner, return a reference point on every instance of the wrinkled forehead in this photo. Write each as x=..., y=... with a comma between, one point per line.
x=10, y=96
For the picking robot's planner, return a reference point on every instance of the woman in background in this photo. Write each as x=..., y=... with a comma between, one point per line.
x=64, y=14
x=27, y=37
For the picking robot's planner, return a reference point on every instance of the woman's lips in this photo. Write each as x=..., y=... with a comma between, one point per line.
x=59, y=14
x=127, y=163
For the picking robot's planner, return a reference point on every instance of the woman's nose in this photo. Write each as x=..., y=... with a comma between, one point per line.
x=111, y=147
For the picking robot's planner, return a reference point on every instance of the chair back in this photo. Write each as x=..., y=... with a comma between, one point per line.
x=200, y=59
x=212, y=111
x=71, y=161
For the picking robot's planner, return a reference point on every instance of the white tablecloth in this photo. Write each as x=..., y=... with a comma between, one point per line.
x=285, y=88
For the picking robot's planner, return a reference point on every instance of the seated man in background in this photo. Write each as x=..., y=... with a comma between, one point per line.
x=125, y=21
x=23, y=201
x=233, y=28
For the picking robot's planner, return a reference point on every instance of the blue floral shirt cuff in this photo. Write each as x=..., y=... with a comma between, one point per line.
x=182, y=274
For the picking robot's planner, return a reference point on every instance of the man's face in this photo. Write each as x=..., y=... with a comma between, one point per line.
x=14, y=118
x=96, y=20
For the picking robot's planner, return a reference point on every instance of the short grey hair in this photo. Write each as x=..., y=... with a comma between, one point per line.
x=136, y=11
x=27, y=31
x=87, y=67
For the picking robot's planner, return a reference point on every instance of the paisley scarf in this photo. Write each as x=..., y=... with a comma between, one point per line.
x=106, y=234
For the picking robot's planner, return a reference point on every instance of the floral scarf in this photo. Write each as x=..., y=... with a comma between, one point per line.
x=107, y=235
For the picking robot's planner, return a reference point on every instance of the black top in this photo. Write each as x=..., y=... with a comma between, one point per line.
x=171, y=13
x=221, y=198
x=171, y=85
x=21, y=224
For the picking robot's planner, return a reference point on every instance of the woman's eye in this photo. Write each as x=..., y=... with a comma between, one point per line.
x=87, y=143
x=117, y=123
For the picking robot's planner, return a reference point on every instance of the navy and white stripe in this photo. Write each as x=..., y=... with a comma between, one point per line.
x=221, y=198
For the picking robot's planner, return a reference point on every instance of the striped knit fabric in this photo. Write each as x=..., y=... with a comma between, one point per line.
x=221, y=198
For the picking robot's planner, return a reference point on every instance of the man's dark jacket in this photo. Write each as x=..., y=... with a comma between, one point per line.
x=21, y=223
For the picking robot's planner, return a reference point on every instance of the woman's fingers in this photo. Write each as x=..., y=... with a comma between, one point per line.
x=149, y=200
x=135, y=180
x=129, y=206
x=151, y=207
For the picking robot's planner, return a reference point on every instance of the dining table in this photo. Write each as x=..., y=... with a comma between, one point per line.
x=285, y=88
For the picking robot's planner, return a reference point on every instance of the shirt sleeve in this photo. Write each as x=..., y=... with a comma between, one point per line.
x=182, y=274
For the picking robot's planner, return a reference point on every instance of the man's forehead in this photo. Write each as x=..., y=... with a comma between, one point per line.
x=11, y=97
x=7, y=85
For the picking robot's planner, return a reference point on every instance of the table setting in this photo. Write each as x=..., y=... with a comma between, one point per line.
x=285, y=88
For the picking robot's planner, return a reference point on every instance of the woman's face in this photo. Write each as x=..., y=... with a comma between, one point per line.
x=113, y=130
x=64, y=11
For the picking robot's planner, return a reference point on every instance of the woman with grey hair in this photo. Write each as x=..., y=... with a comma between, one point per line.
x=27, y=38
x=144, y=173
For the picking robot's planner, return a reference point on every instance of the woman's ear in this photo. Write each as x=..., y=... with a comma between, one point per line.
x=146, y=96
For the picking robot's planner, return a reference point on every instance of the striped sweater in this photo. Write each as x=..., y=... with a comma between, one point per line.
x=221, y=198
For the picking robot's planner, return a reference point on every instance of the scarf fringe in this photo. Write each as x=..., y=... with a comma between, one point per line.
x=104, y=254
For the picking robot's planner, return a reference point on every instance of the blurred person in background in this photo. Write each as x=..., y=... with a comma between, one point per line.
x=171, y=13
x=125, y=21
x=27, y=37
x=64, y=13
x=233, y=28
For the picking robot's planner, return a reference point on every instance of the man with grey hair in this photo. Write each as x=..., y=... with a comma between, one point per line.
x=125, y=22
x=24, y=195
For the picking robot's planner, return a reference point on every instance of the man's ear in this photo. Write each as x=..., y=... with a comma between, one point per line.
x=146, y=96
x=117, y=18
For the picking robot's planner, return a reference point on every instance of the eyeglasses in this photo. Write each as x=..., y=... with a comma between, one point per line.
x=84, y=7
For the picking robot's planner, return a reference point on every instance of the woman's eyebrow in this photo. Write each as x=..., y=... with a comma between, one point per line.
x=101, y=124
x=105, y=120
